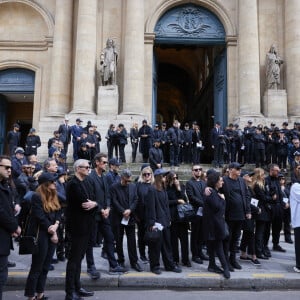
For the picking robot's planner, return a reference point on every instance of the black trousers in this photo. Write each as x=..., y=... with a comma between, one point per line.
x=119, y=230
x=122, y=153
x=287, y=223
x=179, y=232
x=78, y=247
x=248, y=242
x=259, y=236
x=134, y=147
x=297, y=246
x=217, y=247
x=141, y=233
x=196, y=236
x=3, y=273
x=164, y=247
x=37, y=276
x=235, y=228
x=104, y=227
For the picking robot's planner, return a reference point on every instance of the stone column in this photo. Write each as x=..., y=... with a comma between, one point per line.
x=133, y=94
x=248, y=59
x=85, y=58
x=292, y=51
x=60, y=83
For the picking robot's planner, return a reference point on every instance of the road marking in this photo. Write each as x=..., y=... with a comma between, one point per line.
x=268, y=275
x=203, y=275
x=14, y=273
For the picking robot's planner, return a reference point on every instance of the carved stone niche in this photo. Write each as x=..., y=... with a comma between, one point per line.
x=275, y=103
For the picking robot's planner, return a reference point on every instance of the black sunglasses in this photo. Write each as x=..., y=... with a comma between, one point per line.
x=5, y=167
x=146, y=174
x=84, y=167
x=196, y=170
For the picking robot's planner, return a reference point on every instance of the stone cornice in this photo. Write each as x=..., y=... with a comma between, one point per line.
x=149, y=38
x=27, y=45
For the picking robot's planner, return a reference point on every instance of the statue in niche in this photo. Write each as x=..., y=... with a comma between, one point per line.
x=108, y=63
x=273, y=62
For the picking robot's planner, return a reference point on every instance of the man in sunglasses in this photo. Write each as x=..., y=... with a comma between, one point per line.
x=124, y=201
x=8, y=224
x=194, y=189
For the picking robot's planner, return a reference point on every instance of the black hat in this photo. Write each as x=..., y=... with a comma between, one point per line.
x=285, y=124
x=61, y=172
x=247, y=172
x=273, y=124
x=145, y=165
x=144, y=121
x=46, y=177
x=78, y=120
x=16, y=125
x=158, y=172
x=113, y=161
x=157, y=140
x=234, y=165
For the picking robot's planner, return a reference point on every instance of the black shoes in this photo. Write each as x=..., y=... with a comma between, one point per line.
x=144, y=259
x=156, y=271
x=197, y=260
x=267, y=252
x=262, y=256
x=93, y=273
x=117, y=270
x=204, y=256
x=84, y=293
x=278, y=248
x=187, y=264
x=226, y=274
x=74, y=296
x=289, y=241
x=235, y=264
x=137, y=267
x=214, y=269
x=175, y=269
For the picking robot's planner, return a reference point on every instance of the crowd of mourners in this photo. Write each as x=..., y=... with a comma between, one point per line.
x=230, y=210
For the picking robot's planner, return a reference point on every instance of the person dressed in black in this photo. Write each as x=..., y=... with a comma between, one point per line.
x=13, y=139
x=275, y=197
x=258, y=192
x=178, y=229
x=65, y=134
x=8, y=223
x=45, y=217
x=33, y=142
x=80, y=221
x=237, y=208
x=249, y=131
x=134, y=139
x=112, y=141
x=215, y=229
x=158, y=214
x=122, y=141
x=155, y=156
x=145, y=135
x=124, y=201
x=194, y=189
x=144, y=183
x=259, y=147
x=196, y=144
x=218, y=144
x=281, y=145
x=175, y=140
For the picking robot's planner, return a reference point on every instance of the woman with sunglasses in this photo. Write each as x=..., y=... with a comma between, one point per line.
x=158, y=218
x=45, y=218
x=178, y=229
x=144, y=183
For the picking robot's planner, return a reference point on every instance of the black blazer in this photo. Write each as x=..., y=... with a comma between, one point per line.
x=157, y=208
x=120, y=204
x=194, y=191
x=214, y=216
x=8, y=223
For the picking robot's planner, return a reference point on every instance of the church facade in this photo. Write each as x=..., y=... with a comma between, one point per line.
x=196, y=60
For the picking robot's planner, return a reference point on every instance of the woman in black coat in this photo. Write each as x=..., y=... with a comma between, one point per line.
x=179, y=229
x=215, y=230
x=259, y=193
x=33, y=142
x=45, y=219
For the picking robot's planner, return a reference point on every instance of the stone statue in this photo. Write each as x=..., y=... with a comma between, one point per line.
x=273, y=62
x=108, y=63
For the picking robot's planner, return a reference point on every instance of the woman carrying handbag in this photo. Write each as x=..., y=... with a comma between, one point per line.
x=45, y=218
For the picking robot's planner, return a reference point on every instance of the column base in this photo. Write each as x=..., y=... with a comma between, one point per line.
x=275, y=104
x=108, y=100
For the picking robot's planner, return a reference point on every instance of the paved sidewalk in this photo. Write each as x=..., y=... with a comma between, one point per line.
x=275, y=273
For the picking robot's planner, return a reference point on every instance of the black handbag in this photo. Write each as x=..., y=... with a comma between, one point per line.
x=28, y=244
x=185, y=212
x=152, y=236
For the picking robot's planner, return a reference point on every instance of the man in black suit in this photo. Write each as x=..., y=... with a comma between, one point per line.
x=65, y=134
x=195, y=189
x=124, y=202
x=8, y=224
x=218, y=144
x=237, y=208
x=80, y=221
x=13, y=139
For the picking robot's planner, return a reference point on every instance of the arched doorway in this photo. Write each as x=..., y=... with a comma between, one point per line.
x=16, y=102
x=189, y=81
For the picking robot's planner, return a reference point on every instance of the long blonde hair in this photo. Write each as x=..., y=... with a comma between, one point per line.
x=258, y=178
x=49, y=197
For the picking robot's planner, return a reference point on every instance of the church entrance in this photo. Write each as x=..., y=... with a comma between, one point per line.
x=16, y=103
x=190, y=70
